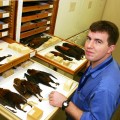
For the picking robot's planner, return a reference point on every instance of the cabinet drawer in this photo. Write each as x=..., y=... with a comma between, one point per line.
x=4, y=14
x=3, y=34
x=17, y=56
x=3, y=25
x=70, y=66
x=37, y=7
x=35, y=17
x=33, y=32
x=30, y=26
x=7, y=83
x=14, y=63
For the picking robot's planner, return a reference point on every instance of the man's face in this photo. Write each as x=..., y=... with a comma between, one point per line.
x=96, y=47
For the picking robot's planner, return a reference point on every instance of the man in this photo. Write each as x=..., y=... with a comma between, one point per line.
x=98, y=93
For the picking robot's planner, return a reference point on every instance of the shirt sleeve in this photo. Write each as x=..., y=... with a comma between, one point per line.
x=102, y=105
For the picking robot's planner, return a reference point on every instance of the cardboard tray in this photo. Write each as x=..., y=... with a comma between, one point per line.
x=48, y=110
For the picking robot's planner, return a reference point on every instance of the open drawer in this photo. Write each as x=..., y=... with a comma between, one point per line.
x=72, y=67
x=48, y=110
x=10, y=56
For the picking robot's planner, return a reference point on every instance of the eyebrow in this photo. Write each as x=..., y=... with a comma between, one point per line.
x=95, y=38
x=88, y=37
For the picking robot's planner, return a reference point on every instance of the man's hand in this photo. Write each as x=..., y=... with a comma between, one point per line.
x=56, y=99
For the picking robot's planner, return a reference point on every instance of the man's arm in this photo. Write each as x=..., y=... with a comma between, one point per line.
x=56, y=99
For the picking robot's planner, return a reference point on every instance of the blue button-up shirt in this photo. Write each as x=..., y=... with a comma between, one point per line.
x=99, y=97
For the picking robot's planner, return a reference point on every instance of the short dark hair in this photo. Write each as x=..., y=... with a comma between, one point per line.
x=109, y=27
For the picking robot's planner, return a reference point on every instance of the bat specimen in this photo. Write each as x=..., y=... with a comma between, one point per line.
x=37, y=42
x=68, y=51
x=71, y=50
x=37, y=76
x=3, y=57
x=27, y=88
x=12, y=99
x=76, y=48
x=61, y=55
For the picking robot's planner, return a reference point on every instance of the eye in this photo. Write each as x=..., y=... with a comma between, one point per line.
x=88, y=38
x=98, y=41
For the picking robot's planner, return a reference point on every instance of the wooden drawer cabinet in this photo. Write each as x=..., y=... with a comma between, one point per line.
x=4, y=18
x=36, y=17
x=7, y=18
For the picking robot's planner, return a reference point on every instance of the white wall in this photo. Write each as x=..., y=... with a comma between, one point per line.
x=75, y=16
x=112, y=13
x=66, y=22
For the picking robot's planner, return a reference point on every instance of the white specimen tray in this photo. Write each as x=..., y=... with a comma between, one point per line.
x=7, y=51
x=18, y=57
x=74, y=64
x=48, y=110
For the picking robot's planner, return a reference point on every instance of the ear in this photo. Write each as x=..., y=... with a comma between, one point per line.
x=111, y=48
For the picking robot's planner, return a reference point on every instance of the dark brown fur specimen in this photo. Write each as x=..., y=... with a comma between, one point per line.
x=71, y=50
x=61, y=55
x=11, y=99
x=37, y=76
x=27, y=88
x=68, y=51
x=37, y=42
x=75, y=47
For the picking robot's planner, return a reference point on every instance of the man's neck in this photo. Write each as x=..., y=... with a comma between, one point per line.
x=96, y=63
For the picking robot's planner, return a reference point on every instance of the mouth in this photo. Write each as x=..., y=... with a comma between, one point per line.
x=87, y=52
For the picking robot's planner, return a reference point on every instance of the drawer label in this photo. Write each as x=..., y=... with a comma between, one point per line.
x=5, y=2
x=5, y=26
x=49, y=14
x=5, y=15
x=48, y=22
x=51, y=6
x=4, y=33
x=47, y=28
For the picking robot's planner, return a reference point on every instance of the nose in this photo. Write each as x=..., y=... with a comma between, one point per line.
x=90, y=44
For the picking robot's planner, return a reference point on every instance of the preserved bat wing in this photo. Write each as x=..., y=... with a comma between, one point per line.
x=37, y=80
x=37, y=76
x=31, y=78
x=36, y=42
x=27, y=88
x=68, y=51
x=3, y=57
x=76, y=48
x=12, y=99
x=61, y=55
x=33, y=71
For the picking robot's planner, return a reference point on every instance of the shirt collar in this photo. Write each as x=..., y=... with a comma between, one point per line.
x=93, y=75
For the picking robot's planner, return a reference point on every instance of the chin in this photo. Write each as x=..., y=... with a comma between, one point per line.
x=89, y=58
